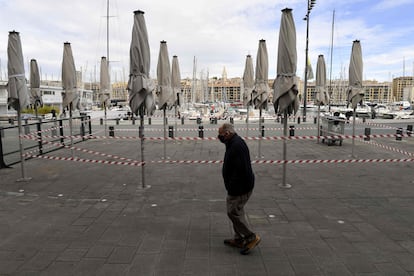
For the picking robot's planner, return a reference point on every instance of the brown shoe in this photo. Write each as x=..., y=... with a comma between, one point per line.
x=252, y=243
x=239, y=243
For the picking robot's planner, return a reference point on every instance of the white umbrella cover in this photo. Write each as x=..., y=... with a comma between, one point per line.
x=140, y=86
x=104, y=91
x=248, y=81
x=355, y=90
x=18, y=95
x=165, y=95
x=69, y=82
x=176, y=81
x=35, y=83
x=285, y=85
x=322, y=95
x=261, y=88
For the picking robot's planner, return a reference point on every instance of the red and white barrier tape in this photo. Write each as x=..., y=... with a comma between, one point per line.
x=311, y=137
x=126, y=163
x=387, y=147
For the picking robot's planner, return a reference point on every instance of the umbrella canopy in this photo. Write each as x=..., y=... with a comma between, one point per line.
x=165, y=95
x=176, y=81
x=355, y=91
x=105, y=86
x=285, y=85
x=17, y=88
x=248, y=81
x=322, y=96
x=140, y=86
x=35, y=82
x=261, y=87
x=69, y=82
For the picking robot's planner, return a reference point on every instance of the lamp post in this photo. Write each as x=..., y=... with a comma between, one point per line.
x=311, y=3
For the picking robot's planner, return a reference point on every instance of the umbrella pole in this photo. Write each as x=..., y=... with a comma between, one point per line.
x=165, y=134
x=19, y=121
x=353, y=131
x=285, y=135
x=141, y=136
x=70, y=129
x=318, y=124
x=260, y=133
x=247, y=121
x=104, y=104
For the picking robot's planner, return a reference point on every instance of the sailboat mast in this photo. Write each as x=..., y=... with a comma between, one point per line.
x=330, y=70
x=107, y=31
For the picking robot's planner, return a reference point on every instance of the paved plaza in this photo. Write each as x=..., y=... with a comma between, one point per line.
x=349, y=210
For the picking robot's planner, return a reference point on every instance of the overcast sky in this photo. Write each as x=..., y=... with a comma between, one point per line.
x=218, y=33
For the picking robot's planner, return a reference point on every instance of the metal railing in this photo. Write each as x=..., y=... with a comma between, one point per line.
x=40, y=137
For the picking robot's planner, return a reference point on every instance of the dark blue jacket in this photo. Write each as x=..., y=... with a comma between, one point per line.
x=237, y=168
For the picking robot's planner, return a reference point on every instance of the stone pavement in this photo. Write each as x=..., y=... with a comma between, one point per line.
x=80, y=218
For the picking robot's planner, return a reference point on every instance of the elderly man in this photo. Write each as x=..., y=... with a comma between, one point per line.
x=239, y=182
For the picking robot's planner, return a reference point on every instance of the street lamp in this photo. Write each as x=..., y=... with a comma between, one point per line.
x=311, y=4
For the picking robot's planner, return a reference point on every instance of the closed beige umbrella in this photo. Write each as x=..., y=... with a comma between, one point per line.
x=105, y=87
x=36, y=96
x=355, y=90
x=322, y=95
x=248, y=85
x=18, y=95
x=285, y=85
x=140, y=86
x=165, y=95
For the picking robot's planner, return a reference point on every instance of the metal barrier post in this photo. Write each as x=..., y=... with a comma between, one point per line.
x=39, y=137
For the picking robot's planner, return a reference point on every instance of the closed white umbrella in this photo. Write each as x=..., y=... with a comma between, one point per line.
x=261, y=88
x=105, y=86
x=355, y=90
x=322, y=95
x=69, y=84
x=165, y=95
x=176, y=85
x=36, y=96
x=285, y=85
x=248, y=85
x=18, y=96
x=140, y=86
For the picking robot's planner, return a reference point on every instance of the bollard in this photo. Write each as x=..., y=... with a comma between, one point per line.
x=149, y=121
x=198, y=121
x=117, y=121
x=367, y=134
x=171, y=131
x=263, y=130
x=200, y=131
x=111, y=131
x=231, y=120
x=292, y=130
x=26, y=127
x=363, y=119
x=298, y=120
x=133, y=120
x=315, y=119
x=166, y=120
x=101, y=121
x=398, y=137
x=409, y=130
x=182, y=120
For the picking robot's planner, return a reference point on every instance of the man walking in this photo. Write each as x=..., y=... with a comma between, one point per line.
x=239, y=182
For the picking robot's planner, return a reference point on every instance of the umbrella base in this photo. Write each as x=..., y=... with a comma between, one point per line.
x=24, y=179
x=285, y=186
